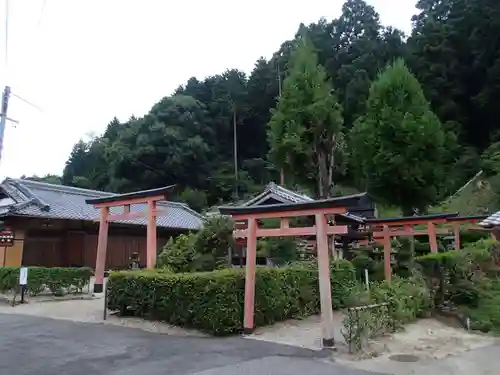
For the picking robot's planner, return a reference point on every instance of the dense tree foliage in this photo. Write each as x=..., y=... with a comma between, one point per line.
x=188, y=138
x=305, y=131
x=399, y=143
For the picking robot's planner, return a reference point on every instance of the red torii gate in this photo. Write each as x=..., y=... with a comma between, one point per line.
x=147, y=197
x=318, y=209
x=386, y=228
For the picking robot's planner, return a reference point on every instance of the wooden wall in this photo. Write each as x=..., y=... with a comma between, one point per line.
x=56, y=243
x=12, y=255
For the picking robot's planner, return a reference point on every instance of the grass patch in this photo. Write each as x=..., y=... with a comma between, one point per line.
x=475, y=199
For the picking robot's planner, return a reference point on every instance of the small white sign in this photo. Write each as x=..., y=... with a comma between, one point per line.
x=23, y=276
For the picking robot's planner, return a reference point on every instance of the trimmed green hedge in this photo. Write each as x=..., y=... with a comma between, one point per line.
x=213, y=301
x=56, y=279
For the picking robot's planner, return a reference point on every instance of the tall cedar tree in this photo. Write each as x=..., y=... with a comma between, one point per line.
x=399, y=144
x=305, y=130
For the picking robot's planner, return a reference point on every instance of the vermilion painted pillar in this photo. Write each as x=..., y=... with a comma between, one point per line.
x=251, y=260
x=456, y=232
x=101, y=250
x=431, y=230
x=387, y=253
x=325, y=287
x=151, y=247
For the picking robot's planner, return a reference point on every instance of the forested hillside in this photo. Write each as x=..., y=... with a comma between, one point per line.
x=362, y=106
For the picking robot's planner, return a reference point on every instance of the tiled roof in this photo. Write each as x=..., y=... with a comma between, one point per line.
x=275, y=191
x=288, y=195
x=344, y=201
x=491, y=221
x=39, y=199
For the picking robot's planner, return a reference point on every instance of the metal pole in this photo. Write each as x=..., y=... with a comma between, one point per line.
x=3, y=115
x=105, y=312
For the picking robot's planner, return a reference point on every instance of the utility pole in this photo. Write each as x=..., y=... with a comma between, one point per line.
x=3, y=115
x=235, y=142
x=282, y=172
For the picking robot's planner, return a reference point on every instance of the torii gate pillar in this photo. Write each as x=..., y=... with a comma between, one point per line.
x=145, y=197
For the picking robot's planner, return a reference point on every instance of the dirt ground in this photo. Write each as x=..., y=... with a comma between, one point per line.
x=438, y=348
x=426, y=338
x=429, y=339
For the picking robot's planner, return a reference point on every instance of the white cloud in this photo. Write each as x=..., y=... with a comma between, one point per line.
x=90, y=60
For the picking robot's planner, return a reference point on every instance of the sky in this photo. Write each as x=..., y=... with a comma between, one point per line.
x=82, y=62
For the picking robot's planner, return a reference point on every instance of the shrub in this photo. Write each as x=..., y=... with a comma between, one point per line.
x=280, y=250
x=485, y=315
x=205, y=250
x=432, y=263
x=439, y=270
x=177, y=255
x=213, y=301
x=410, y=298
x=469, y=236
x=459, y=276
x=385, y=308
x=405, y=256
x=360, y=263
x=57, y=279
x=421, y=247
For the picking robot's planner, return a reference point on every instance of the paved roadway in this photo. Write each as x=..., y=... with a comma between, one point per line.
x=32, y=345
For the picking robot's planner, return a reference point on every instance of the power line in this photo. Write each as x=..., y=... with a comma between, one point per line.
x=104, y=142
x=4, y=104
x=41, y=14
x=27, y=102
x=6, y=33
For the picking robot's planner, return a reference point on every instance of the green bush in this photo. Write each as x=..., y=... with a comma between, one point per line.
x=421, y=247
x=385, y=308
x=177, y=255
x=360, y=263
x=432, y=263
x=280, y=250
x=404, y=257
x=470, y=236
x=57, y=279
x=485, y=314
x=204, y=250
x=213, y=301
x=459, y=276
x=370, y=258
x=440, y=270
x=410, y=298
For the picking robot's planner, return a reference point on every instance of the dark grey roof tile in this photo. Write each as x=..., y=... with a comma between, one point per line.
x=39, y=199
x=491, y=221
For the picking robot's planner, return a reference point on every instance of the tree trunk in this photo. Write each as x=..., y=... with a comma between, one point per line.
x=324, y=183
x=323, y=176
x=408, y=211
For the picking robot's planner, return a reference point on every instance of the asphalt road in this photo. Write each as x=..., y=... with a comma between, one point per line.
x=33, y=345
